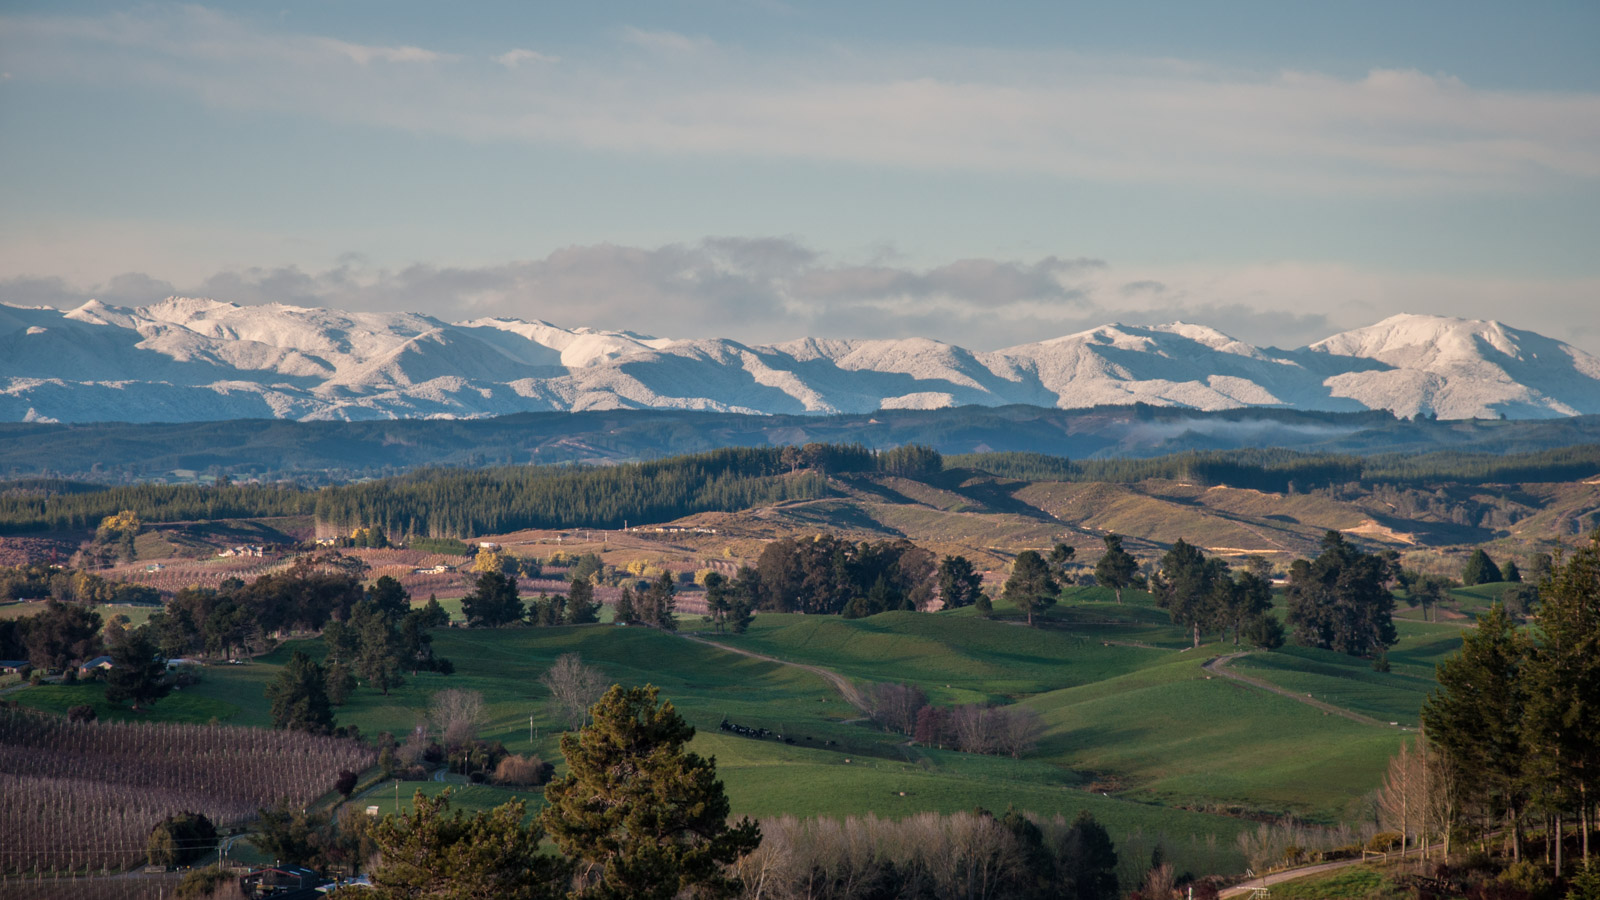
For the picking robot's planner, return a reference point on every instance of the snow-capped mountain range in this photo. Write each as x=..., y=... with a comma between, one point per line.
x=192, y=359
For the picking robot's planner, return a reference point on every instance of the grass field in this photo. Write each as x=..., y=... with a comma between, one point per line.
x=1137, y=732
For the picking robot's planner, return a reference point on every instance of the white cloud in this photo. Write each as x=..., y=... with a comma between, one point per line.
x=514, y=58
x=940, y=108
x=767, y=290
x=666, y=41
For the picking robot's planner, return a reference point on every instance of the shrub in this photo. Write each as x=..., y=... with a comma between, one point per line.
x=83, y=712
x=1384, y=841
x=345, y=783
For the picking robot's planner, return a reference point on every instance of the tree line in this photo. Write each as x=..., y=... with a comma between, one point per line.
x=1514, y=725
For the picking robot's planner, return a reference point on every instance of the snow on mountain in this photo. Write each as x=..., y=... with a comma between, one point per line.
x=198, y=359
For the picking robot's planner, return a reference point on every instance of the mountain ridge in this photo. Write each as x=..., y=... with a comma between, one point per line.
x=197, y=359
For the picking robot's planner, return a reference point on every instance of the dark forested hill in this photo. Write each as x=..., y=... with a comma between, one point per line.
x=323, y=452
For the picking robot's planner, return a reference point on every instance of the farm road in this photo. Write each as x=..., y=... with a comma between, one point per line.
x=1267, y=881
x=1220, y=667
x=840, y=683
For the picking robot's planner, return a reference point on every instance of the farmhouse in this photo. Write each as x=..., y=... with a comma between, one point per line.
x=12, y=666
x=440, y=569
x=282, y=883
x=89, y=666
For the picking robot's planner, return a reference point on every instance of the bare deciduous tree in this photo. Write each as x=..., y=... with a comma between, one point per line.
x=895, y=706
x=573, y=687
x=1019, y=730
x=457, y=713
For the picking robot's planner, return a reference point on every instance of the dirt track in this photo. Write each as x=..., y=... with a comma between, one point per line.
x=1219, y=666
x=840, y=683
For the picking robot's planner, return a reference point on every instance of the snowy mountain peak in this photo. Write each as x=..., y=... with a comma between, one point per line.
x=196, y=358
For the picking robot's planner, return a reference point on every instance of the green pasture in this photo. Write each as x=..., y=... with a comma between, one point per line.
x=1173, y=734
x=1136, y=731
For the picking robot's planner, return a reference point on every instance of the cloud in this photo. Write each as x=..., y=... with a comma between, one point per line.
x=907, y=107
x=666, y=41
x=768, y=290
x=514, y=58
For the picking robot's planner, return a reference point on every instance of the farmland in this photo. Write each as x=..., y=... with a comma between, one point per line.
x=1136, y=732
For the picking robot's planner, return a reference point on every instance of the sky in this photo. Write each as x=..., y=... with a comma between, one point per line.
x=762, y=170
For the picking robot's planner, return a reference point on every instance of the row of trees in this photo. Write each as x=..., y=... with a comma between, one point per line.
x=382, y=638
x=39, y=581
x=494, y=602
x=826, y=575
x=1516, y=716
x=970, y=728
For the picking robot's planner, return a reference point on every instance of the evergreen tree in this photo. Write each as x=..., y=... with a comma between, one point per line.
x=740, y=615
x=390, y=597
x=984, y=606
x=1061, y=562
x=625, y=613
x=651, y=816
x=1264, y=632
x=493, y=601
x=138, y=673
x=661, y=603
x=1087, y=860
x=426, y=853
x=1241, y=600
x=1192, y=588
x=1480, y=569
x=299, y=697
x=1338, y=600
x=1510, y=572
x=959, y=585
x=379, y=654
x=1562, y=722
x=1475, y=716
x=1030, y=587
x=581, y=609
x=718, y=602
x=1116, y=567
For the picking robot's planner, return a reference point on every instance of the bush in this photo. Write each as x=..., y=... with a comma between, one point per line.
x=207, y=882
x=523, y=771
x=345, y=783
x=181, y=838
x=1384, y=841
x=83, y=712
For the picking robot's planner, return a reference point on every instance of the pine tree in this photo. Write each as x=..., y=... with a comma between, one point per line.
x=1338, y=601
x=1030, y=586
x=1562, y=722
x=1510, y=572
x=1192, y=588
x=581, y=608
x=625, y=611
x=1480, y=569
x=959, y=585
x=493, y=601
x=426, y=853
x=1116, y=567
x=1475, y=716
x=137, y=672
x=662, y=603
x=651, y=816
x=299, y=697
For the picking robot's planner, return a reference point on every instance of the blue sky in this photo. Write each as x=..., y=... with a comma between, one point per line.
x=764, y=170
